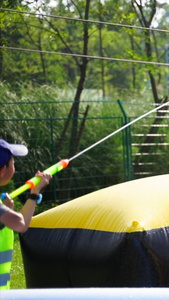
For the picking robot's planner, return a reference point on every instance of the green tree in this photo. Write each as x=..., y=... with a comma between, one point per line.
x=4, y=4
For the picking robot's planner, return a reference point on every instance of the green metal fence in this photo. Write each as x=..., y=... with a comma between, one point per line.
x=100, y=167
x=138, y=151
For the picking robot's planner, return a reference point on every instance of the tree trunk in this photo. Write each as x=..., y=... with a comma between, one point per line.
x=74, y=130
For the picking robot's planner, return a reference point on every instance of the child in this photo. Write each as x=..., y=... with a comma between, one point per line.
x=9, y=219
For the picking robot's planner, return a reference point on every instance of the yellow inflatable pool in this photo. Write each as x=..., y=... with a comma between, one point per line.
x=114, y=237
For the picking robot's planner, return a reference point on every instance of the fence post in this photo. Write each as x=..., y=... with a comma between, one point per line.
x=127, y=149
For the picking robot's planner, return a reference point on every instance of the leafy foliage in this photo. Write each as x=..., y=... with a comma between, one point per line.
x=59, y=35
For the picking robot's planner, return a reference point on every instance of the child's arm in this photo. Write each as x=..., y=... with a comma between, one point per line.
x=19, y=221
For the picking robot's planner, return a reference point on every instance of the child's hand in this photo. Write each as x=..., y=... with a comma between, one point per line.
x=45, y=178
x=8, y=202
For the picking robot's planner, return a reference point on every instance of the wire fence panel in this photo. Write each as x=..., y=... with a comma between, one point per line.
x=98, y=168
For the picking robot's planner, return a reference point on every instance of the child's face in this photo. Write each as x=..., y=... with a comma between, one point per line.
x=7, y=172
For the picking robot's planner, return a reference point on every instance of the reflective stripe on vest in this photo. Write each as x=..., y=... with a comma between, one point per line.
x=5, y=266
x=6, y=250
x=5, y=256
x=4, y=278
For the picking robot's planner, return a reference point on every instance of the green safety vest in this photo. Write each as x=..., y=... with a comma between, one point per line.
x=6, y=251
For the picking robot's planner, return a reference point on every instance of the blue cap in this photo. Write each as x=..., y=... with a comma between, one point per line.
x=8, y=150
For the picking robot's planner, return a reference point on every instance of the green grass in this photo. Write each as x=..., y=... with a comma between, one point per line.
x=17, y=270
